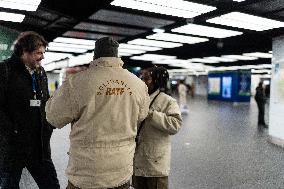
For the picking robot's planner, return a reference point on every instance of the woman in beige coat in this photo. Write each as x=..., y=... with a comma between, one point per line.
x=153, y=150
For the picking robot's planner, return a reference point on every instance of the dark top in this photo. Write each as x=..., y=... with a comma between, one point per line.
x=24, y=130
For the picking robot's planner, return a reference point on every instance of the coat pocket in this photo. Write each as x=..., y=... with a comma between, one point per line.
x=154, y=152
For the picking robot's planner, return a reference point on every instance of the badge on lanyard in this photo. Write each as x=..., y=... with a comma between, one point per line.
x=35, y=103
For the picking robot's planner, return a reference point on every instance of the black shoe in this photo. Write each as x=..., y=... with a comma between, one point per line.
x=263, y=125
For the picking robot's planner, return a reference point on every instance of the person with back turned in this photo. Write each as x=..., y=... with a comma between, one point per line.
x=24, y=132
x=104, y=105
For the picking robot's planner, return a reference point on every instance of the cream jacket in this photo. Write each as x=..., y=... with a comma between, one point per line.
x=104, y=105
x=152, y=157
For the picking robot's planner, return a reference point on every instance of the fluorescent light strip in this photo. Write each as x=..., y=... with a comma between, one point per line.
x=51, y=56
x=177, y=8
x=75, y=41
x=139, y=47
x=157, y=30
x=240, y=57
x=220, y=59
x=239, y=0
x=68, y=45
x=154, y=43
x=259, y=55
x=12, y=17
x=200, y=60
x=65, y=49
x=131, y=51
x=124, y=54
x=173, y=61
x=28, y=5
x=246, y=21
x=206, y=31
x=153, y=57
x=177, y=38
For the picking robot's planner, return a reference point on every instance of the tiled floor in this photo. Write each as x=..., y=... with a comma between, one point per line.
x=219, y=147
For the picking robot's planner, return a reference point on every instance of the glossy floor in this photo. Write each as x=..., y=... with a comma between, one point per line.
x=218, y=147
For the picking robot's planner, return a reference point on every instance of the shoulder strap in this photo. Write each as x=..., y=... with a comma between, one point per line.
x=143, y=122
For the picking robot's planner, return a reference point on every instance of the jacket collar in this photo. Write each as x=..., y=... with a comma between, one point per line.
x=107, y=62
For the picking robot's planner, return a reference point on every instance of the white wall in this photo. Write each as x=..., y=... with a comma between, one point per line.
x=276, y=125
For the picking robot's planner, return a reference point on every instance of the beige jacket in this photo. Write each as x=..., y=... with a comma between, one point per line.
x=104, y=104
x=152, y=157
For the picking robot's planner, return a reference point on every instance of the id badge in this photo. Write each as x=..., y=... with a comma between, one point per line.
x=35, y=103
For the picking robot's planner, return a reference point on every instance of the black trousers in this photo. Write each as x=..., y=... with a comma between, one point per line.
x=43, y=172
x=261, y=110
x=150, y=182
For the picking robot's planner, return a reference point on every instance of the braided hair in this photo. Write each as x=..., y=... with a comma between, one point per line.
x=160, y=77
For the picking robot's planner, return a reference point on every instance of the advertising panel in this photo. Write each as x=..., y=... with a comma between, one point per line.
x=214, y=85
x=227, y=87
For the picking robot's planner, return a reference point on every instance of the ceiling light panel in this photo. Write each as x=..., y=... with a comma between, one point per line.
x=130, y=19
x=52, y=56
x=130, y=51
x=154, y=43
x=240, y=57
x=108, y=29
x=239, y=0
x=201, y=60
x=220, y=59
x=139, y=47
x=246, y=21
x=177, y=8
x=28, y=5
x=177, y=38
x=68, y=45
x=88, y=35
x=65, y=49
x=259, y=55
x=152, y=57
x=206, y=31
x=12, y=17
x=75, y=41
x=123, y=54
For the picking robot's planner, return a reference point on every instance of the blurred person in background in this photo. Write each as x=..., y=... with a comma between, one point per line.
x=24, y=132
x=182, y=91
x=153, y=151
x=104, y=105
x=260, y=100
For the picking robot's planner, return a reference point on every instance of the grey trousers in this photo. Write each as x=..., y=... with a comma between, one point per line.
x=125, y=186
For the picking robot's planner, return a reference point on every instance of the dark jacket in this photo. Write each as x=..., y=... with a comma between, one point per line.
x=23, y=129
x=259, y=95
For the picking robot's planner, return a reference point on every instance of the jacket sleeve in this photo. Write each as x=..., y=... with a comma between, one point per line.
x=5, y=121
x=144, y=107
x=61, y=108
x=169, y=121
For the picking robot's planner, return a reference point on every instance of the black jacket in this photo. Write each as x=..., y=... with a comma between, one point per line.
x=259, y=95
x=23, y=129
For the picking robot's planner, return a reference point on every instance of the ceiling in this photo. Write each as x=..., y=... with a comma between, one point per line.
x=92, y=19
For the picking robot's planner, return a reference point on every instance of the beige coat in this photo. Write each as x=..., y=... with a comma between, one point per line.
x=152, y=157
x=104, y=104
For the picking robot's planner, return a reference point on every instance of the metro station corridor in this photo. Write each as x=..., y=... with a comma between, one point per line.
x=218, y=147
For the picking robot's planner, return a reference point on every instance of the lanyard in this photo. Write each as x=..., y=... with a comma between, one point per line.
x=34, y=84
